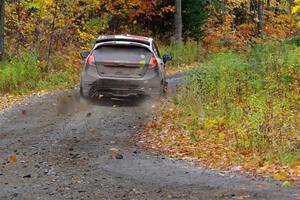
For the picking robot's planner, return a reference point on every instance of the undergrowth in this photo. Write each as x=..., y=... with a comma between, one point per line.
x=184, y=53
x=249, y=99
x=23, y=73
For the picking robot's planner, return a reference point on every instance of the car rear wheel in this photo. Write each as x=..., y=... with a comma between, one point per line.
x=82, y=98
x=164, y=89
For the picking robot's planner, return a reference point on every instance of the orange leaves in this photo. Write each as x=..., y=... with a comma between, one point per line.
x=283, y=173
x=247, y=30
x=141, y=7
x=12, y=158
x=211, y=39
x=238, y=25
x=168, y=8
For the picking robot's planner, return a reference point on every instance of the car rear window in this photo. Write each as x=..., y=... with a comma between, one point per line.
x=122, y=53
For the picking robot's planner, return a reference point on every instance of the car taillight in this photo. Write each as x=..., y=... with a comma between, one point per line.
x=90, y=60
x=153, y=62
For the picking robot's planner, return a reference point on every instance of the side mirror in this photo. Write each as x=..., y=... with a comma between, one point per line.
x=84, y=54
x=167, y=57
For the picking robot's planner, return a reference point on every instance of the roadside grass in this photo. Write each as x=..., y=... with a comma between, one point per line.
x=23, y=73
x=20, y=74
x=65, y=79
x=239, y=111
x=185, y=55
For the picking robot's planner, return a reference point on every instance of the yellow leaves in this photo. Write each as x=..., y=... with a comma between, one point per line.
x=214, y=123
x=280, y=177
x=286, y=184
x=243, y=197
x=232, y=4
x=221, y=135
x=295, y=9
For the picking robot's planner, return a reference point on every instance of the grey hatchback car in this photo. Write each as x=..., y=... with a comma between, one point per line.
x=123, y=66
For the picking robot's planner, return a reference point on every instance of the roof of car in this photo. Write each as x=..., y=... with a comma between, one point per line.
x=124, y=37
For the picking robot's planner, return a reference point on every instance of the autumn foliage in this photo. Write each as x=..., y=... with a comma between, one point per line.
x=235, y=23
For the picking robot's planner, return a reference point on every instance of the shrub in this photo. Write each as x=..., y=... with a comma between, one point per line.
x=20, y=73
x=183, y=53
x=59, y=80
x=253, y=97
x=23, y=73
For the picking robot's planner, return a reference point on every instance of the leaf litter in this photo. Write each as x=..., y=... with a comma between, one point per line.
x=164, y=134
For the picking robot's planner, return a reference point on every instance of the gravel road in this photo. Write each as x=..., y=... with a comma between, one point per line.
x=67, y=150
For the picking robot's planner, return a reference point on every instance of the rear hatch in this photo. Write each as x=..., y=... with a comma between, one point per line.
x=122, y=60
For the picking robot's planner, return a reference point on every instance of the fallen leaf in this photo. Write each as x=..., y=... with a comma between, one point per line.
x=93, y=130
x=114, y=150
x=12, y=158
x=236, y=168
x=286, y=184
x=243, y=197
x=280, y=177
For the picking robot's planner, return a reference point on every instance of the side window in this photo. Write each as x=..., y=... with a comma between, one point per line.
x=155, y=48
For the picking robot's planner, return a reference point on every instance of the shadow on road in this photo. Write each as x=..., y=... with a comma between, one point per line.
x=118, y=102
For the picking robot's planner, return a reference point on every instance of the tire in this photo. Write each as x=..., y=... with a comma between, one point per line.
x=82, y=98
x=163, y=89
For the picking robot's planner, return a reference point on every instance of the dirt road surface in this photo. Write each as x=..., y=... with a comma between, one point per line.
x=66, y=150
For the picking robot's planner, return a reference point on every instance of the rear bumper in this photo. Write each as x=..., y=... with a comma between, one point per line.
x=93, y=85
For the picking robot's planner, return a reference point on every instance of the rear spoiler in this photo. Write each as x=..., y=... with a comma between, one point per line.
x=122, y=40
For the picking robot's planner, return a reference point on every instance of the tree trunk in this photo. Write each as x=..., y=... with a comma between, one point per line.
x=18, y=32
x=178, y=20
x=2, y=14
x=52, y=29
x=268, y=9
x=260, y=12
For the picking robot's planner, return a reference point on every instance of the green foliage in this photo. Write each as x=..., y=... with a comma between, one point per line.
x=253, y=95
x=294, y=41
x=183, y=53
x=20, y=74
x=194, y=15
x=60, y=80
